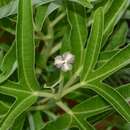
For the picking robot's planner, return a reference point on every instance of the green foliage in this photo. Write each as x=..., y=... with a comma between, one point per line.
x=35, y=94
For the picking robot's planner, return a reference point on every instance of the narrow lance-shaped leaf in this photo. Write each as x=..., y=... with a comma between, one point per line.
x=119, y=37
x=93, y=44
x=8, y=65
x=11, y=7
x=121, y=59
x=105, y=56
x=4, y=107
x=39, y=123
x=112, y=97
x=25, y=54
x=42, y=12
x=85, y=3
x=107, y=5
x=82, y=123
x=19, y=123
x=76, y=17
x=17, y=108
x=25, y=45
x=4, y=2
x=113, y=15
x=40, y=16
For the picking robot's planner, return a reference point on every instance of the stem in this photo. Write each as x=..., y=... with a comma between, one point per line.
x=58, y=19
x=60, y=89
x=43, y=101
x=73, y=78
x=44, y=94
x=41, y=36
x=73, y=88
x=55, y=48
x=64, y=107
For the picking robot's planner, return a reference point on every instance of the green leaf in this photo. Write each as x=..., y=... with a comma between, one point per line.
x=6, y=25
x=68, y=121
x=18, y=108
x=76, y=17
x=39, y=123
x=25, y=55
x=11, y=7
x=113, y=16
x=19, y=123
x=113, y=97
x=119, y=37
x=87, y=109
x=4, y=107
x=26, y=46
x=40, y=16
x=24, y=100
x=121, y=59
x=85, y=3
x=42, y=12
x=107, y=5
x=4, y=2
x=94, y=43
x=6, y=11
x=66, y=43
x=105, y=56
x=8, y=65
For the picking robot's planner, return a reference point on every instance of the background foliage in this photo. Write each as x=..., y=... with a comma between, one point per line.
x=34, y=94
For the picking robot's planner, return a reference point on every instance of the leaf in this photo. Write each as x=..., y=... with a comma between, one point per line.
x=25, y=45
x=87, y=109
x=6, y=25
x=18, y=108
x=25, y=55
x=119, y=37
x=113, y=16
x=119, y=77
x=24, y=100
x=40, y=16
x=31, y=121
x=121, y=59
x=66, y=43
x=94, y=43
x=107, y=5
x=3, y=108
x=76, y=18
x=3, y=2
x=105, y=56
x=38, y=120
x=19, y=123
x=67, y=121
x=43, y=11
x=113, y=97
x=8, y=65
x=11, y=7
x=8, y=9
x=85, y=3
x=76, y=121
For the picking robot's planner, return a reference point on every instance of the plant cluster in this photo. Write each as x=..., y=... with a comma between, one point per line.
x=64, y=64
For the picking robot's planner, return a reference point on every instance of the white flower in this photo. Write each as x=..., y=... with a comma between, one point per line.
x=64, y=62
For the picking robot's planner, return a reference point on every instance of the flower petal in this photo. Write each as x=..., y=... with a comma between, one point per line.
x=58, y=61
x=66, y=67
x=68, y=57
